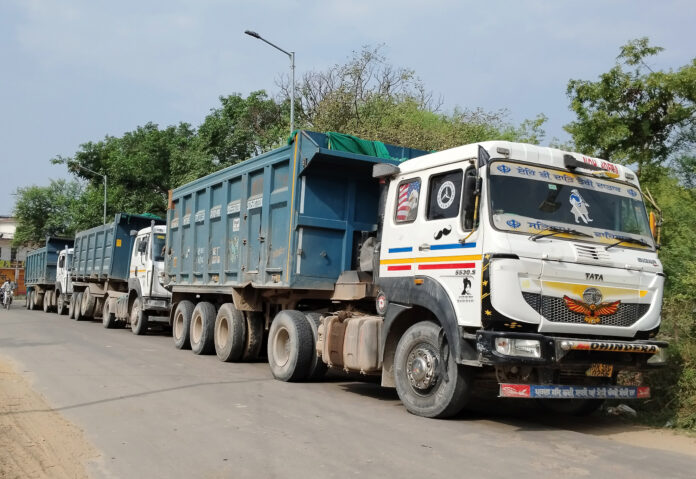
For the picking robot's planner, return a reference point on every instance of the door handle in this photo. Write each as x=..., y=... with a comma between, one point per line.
x=424, y=247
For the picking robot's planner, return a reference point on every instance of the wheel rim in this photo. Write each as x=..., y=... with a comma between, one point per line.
x=422, y=367
x=197, y=330
x=222, y=331
x=178, y=325
x=135, y=316
x=281, y=347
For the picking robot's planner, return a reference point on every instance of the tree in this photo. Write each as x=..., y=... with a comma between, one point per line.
x=45, y=211
x=634, y=115
x=370, y=98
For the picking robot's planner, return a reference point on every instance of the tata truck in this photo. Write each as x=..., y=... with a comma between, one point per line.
x=115, y=273
x=46, y=276
x=529, y=269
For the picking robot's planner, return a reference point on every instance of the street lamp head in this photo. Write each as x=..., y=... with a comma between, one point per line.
x=252, y=34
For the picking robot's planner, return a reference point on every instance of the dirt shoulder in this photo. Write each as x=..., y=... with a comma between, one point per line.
x=35, y=440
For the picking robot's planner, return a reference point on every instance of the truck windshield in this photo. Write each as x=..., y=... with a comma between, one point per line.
x=530, y=199
x=158, y=247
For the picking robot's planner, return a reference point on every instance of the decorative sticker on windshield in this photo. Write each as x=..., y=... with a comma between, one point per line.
x=558, y=177
x=579, y=207
x=445, y=195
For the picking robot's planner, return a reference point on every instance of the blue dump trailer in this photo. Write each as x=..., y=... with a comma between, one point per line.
x=282, y=232
x=40, y=273
x=101, y=269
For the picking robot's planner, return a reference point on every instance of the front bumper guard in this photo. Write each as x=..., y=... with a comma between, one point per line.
x=555, y=349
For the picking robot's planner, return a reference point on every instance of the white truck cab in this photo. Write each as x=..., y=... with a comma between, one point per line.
x=63, y=286
x=147, y=300
x=537, y=263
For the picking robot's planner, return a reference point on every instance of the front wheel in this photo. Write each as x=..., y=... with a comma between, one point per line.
x=429, y=381
x=138, y=319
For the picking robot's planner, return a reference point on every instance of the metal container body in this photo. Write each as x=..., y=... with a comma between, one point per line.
x=104, y=252
x=40, y=265
x=290, y=218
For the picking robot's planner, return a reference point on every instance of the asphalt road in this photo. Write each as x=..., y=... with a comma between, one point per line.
x=155, y=411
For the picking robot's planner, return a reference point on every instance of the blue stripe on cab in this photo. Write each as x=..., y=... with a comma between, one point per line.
x=401, y=250
x=452, y=246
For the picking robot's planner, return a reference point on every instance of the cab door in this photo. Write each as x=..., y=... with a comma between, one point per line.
x=139, y=261
x=448, y=246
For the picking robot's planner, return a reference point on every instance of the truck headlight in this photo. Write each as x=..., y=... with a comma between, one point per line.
x=659, y=358
x=528, y=348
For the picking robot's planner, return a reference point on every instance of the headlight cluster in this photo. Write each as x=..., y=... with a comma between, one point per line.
x=527, y=348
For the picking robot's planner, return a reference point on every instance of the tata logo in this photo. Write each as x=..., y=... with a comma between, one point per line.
x=594, y=276
x=504, y=169
x=632, y=193
x=513, y=224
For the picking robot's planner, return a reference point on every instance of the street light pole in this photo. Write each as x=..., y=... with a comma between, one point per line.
x=94, y=173
x=291, y=55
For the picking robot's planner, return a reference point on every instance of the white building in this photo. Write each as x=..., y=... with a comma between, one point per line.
x=9, y=256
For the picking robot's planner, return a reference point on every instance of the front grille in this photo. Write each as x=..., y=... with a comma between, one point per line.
x=591, y=253
x=555, y=310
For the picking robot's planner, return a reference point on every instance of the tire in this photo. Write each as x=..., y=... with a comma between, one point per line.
x=318, y=368
x=87, y=304
x=425, y=391
x=77, y=313
x=26, y=299
x=290, y=346
x=203, y=328
x=71, y=307
x=571, y=407
x=47, y=302
x=182, y=324
x=254, y=336
x=230, y=333
x=30, y=300
x=60, y=305
x=138, y=318
x=108, y=318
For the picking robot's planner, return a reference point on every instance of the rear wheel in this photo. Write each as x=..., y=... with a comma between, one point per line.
x=71, y=307
x=428, y=380
x=77, y=316
x=47, y=301
x=182, y=324
x=60, y=305
x=290, y=348
x=26, y=299
x=138, y=318
x=203, y=328
x=108, y=318
x=230, y=333
x=87, y=304
x=318, y=367
x=254, y=336
x=30, y=300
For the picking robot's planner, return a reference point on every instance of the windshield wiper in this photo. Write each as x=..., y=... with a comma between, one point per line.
x=627, y=239
x=557, y=230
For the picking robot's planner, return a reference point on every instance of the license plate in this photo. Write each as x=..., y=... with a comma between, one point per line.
x=600, y=370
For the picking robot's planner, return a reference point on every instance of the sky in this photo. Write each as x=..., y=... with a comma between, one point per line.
x=73, y=71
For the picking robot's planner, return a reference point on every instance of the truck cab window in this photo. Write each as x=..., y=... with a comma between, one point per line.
x=408, y=193
x=444, y=195
x=61, y=262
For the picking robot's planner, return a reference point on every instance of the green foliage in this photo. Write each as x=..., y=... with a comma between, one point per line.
x=635, y=115
x=45, y=211
x=638, y=116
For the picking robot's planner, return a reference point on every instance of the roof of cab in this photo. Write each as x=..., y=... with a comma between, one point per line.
x=517, y=151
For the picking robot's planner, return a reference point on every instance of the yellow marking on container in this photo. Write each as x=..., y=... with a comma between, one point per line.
x=292, y=205
x=118, y=243
x=433, y=259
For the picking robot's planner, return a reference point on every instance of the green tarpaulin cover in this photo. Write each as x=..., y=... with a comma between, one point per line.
x=353, y=144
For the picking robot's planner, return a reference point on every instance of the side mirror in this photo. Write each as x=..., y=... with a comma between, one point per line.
x=469, y=194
